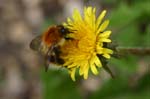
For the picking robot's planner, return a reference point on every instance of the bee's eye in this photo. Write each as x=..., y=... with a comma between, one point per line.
x=63, y=30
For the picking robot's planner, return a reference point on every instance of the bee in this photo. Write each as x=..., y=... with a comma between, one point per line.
x=48, y=44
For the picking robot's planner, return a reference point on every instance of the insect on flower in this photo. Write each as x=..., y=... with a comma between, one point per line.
x=48, y=44
x=86, y=48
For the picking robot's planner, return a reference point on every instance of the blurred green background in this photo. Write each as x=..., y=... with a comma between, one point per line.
x=23, y=77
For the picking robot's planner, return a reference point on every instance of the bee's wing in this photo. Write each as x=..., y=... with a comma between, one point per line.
x=35, y=43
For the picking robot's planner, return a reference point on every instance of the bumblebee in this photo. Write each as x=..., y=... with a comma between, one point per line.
x=49, y=43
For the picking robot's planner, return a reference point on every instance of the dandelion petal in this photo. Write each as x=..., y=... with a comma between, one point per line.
x=103, y=26
x=72, y=73
x=100, y=17
x=94, y=69
x=105, y=34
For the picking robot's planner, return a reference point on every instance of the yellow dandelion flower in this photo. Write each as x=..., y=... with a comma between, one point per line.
x=88, y=37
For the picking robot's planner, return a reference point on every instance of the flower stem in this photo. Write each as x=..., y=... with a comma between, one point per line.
x=139, y=51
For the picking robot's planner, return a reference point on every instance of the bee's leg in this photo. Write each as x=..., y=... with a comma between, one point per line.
x=46, y=64
x=48, y=58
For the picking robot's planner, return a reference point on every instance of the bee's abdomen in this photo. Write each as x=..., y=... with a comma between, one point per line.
x=55, y=60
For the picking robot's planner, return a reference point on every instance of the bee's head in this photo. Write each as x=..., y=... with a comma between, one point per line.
x=64, y=31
